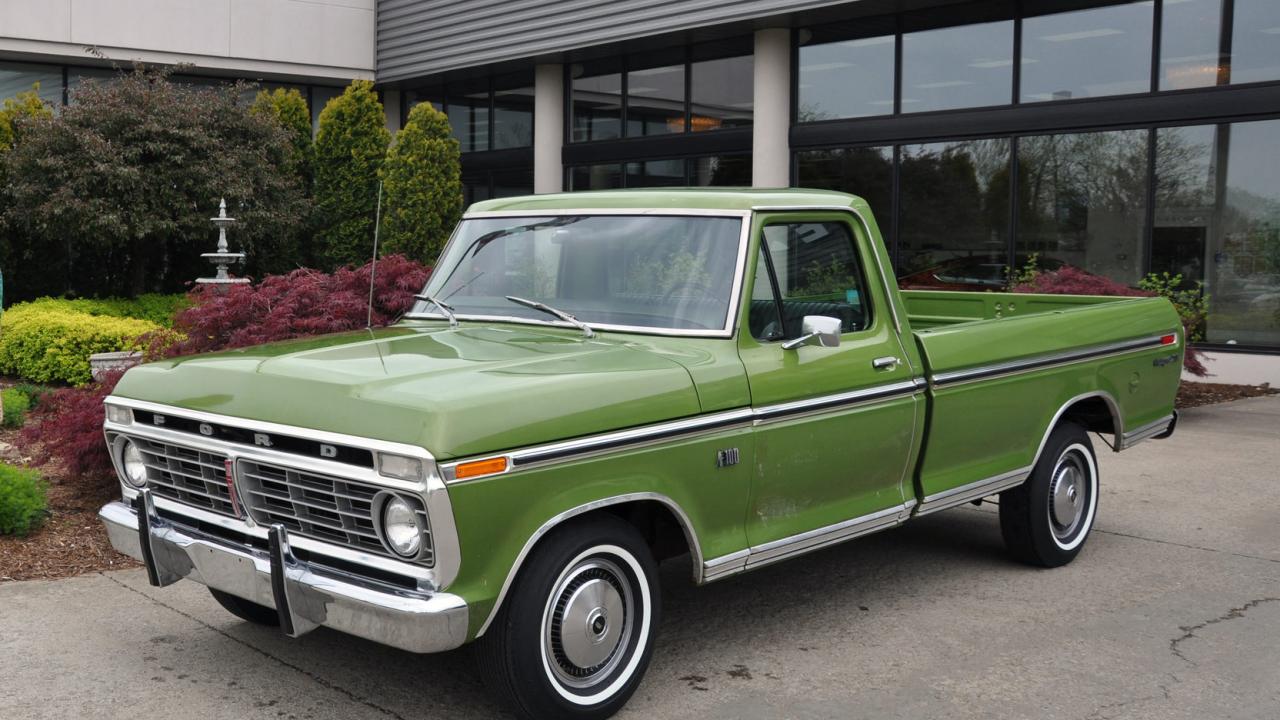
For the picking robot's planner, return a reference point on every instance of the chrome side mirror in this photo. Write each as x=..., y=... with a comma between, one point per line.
x=817, y=330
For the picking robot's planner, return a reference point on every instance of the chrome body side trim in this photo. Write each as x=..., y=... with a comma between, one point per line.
x=1038, y=362
x=524, y=458
x=724, y=566
x=695, y=550
x=973, y=491
x=416, y=621
x=1146, y=432
x=787, y=547
x=431, y=490
x=728, y=330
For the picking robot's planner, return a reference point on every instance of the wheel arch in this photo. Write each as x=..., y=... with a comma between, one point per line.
x=641, y=509
x=1096, y=411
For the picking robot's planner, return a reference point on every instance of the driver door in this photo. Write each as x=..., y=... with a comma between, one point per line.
x=836, y=425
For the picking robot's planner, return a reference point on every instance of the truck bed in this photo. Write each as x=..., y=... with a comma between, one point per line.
x=993, y=360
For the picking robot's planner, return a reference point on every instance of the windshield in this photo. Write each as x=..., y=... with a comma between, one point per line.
x=629, y=271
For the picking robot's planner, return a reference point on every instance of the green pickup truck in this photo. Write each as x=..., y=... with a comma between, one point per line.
x=591, y=383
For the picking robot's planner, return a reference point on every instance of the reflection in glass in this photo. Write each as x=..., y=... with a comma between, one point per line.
x=16, y=78
x=1082, y=201
x=655, y=101
x=513, y=118
x=636, y=271
x=722, y=93
x=864, y=171
x=1255, y=41
x=1218, y=219
x=469, y=118
x=596, y=177
x=721, y=170
x=597, y=106
x=954, y=212
x=1087, y=53
x=845, y=79
x=1190, y=38
x=655, y=173
x=957, y=67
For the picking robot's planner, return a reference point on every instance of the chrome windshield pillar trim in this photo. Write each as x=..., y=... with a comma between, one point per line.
x=416, y=621
x=1148, y=431
x=1038, y=362
x=691, y=537
x=431, y=489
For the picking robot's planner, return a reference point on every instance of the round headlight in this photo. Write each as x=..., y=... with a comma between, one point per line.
x=400, y=527
x=135, y=470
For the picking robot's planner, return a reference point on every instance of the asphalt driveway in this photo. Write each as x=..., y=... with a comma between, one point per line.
x=1171, y=611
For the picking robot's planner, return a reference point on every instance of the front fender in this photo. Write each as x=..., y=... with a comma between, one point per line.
x=501, y=518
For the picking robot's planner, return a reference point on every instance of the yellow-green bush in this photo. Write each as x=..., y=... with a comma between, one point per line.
x=46, y=343
x=155, y=307
x=22, y=500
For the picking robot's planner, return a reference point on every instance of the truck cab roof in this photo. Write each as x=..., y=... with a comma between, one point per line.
x=737, y=199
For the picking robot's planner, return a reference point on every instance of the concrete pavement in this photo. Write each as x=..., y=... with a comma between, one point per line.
x=1171, y=611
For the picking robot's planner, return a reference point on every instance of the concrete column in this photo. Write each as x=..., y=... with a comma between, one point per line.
x=391, y=106
x=770, y=146
x=548, y=128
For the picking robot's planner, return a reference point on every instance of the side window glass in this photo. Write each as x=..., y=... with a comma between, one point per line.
x=764, y=320
x=817, y=271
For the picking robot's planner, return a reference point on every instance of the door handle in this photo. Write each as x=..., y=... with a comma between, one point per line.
x=885, y=362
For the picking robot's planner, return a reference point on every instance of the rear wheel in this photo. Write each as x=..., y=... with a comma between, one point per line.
x=1046, y=520
x=575, y=635
x=245, y=610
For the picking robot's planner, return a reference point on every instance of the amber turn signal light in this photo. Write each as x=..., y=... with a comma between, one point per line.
x=477, y=468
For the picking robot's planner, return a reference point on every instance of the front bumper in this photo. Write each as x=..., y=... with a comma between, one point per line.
x=305, y=597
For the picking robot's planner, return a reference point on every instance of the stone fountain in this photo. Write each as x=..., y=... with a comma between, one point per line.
x=223, y=258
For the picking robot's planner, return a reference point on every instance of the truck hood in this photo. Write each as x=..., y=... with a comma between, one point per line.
x=455, y=392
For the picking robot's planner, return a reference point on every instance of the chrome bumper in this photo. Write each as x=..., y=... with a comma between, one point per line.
x=419, y=622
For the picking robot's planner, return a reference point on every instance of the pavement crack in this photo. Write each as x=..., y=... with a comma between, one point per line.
x=1189, y=631
x=350, y=695
x=1185, y=545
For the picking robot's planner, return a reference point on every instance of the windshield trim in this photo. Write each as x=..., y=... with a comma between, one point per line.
x=735, y=295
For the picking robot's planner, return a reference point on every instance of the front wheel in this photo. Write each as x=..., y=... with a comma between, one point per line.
x=575, y=635
x=1046, y=520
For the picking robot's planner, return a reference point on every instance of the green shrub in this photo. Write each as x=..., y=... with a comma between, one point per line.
x=16, y=404
x=351, y=144
x=289, y=109
x=22, y=500
x=422, y=186
x=153, y=307
x=52, y=344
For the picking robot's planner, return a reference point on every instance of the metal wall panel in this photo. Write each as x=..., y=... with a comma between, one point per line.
x=424, y=37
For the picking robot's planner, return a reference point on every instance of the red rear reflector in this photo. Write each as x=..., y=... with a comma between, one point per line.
x=1168, y=339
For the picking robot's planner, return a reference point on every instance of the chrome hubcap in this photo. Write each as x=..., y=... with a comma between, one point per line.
x=588, y=622
x=1068, y=495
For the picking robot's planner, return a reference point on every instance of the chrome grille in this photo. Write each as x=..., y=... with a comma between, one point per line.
x=318, y=506
x=189, y=476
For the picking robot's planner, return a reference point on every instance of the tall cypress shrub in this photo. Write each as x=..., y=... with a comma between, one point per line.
x=289, y=109
x=422, y=185
x=15, y=115
x=351, y=145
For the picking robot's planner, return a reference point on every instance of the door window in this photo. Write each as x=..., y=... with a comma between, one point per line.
x=804, y=269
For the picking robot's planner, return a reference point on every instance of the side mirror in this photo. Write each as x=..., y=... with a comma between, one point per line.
x=817, y=330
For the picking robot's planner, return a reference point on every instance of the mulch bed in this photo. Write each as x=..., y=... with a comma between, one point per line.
x=72, y=541
x=1195, y=394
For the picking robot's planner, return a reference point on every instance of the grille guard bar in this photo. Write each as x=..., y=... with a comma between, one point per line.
x=418, y=621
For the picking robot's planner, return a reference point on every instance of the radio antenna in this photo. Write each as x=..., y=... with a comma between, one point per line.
x=373, y=264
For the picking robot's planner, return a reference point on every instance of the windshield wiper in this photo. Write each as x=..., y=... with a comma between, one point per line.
x=585, y=328
x=444, y=308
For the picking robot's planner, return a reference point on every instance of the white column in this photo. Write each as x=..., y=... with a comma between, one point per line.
x=770, y=147
x=548, y=128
